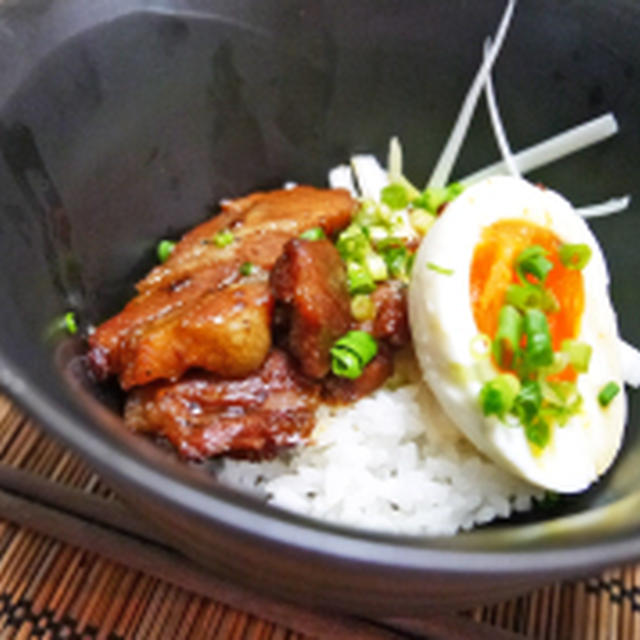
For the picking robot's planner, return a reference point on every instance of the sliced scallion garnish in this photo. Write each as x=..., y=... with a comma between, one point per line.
x=359, y=279
x=574, y=256
x=421, y=220
x=70, y=323
x=538, y=432
x=532, y=261
x=439, y=269
x=223, y=238
x=351, y=353
x=313, y=234
x=507, y=339
x=247, y=268
x=608, y=393
x=527, y=403
x=579, y=354
x=362, y=307
x=498, y=395
x=395, y=197
x=397, y=259
x=538, y=351
x=432, y=198
x=165, y=249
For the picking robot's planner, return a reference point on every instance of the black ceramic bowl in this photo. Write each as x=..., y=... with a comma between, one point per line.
x=122, y=122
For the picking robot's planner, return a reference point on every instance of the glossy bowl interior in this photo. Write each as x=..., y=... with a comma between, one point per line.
x=123, y=122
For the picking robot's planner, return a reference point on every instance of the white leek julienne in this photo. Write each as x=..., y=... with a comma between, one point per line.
x=496, y=121
x=613, y=205
x=559, y=146
x=630, y=359
x=371, y=177
x=442, y=171
x=341, y=177
x=394, y=168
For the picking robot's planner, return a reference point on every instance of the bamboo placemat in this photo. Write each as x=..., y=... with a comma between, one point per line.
x=75, y=563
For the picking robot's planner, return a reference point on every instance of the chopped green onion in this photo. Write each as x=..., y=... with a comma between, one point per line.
x=397, y=259
x=359, y=279
x=507, y=339
x=376, y=266
x=353, y=243
x=394, y=196
x=70, y=323
x=362, y=307
x=579, y=354
x=523, y=297
x=368, y=214
x=223, y=238
x=529, y=296
x=165, y=249
x=527, y=403
x=538, y=351
x=498, y=395
x=345, y=363
x=608, y=393
x=377, y=234
x=433, y=198
x=421, y=220
x=246, y=268
x=532, y=261
x=561, y=400
x=313, y=234
x=438, y=269
x=351, y=353
x=538, y=432
x=574, y=256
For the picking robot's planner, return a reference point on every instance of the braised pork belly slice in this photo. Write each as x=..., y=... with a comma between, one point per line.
x=199, y=303
x=203, y=416
x=310, y=280
x=390, y=320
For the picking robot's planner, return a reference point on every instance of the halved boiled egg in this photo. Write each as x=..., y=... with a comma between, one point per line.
x=538, y=388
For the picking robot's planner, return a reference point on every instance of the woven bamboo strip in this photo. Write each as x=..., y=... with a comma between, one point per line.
x=151, y=611
x=116, y=604
x=530, y=628
x=95, y=592
x=66, y=586
x=626, y=612
x=604, y=607
x=45, y=597
x=11, y=424
x=615, y=599
x=102, y=597
x=141, y=590
x=26, y=574
x=208, y=615
x=20, y=446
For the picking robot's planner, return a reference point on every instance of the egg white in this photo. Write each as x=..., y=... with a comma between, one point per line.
x=446, y=344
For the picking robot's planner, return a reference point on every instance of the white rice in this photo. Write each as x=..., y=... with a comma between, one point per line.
x=390, y=462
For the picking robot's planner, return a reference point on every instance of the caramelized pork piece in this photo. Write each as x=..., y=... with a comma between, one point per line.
x=373, y=376
x=204, y=416
x=390, y=321
x=188, y=310
x=310, y=279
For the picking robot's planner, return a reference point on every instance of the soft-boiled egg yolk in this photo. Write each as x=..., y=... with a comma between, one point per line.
x=492, y=271
x=460, y=275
